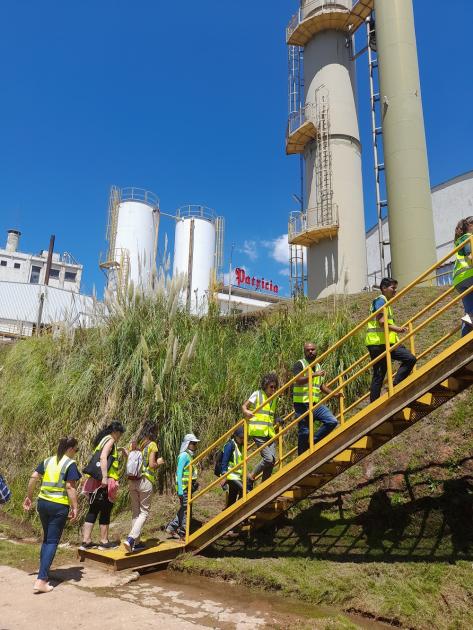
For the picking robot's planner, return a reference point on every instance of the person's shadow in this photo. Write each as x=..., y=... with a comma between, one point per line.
x=68, y=574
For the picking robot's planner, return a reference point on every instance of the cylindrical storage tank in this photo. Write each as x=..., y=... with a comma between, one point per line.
x=135, y=240
x=337, y=264
x=194, y=254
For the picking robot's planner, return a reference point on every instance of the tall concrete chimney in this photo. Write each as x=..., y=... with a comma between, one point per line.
x=411, y=226
x=13, y=239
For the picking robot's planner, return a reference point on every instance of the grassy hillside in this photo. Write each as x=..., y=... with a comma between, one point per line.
x=390, y=538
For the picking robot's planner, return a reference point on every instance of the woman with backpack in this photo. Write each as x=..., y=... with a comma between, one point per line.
x=102, y=488
x=57, y=501
x=142, y=468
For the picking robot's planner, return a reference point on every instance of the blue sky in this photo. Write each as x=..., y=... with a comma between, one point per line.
x=188, y=100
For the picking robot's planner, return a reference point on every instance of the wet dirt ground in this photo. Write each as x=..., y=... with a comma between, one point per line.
x=89, y=597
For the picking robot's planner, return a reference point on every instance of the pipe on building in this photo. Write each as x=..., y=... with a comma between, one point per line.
x=13, y=240
x=411, y=227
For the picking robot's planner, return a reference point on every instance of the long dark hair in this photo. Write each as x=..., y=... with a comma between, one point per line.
x=109, y=429
x=148, y=431
x=64, y=444
x=462, y=227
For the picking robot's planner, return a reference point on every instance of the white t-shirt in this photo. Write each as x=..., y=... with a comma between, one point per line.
x=254, y=398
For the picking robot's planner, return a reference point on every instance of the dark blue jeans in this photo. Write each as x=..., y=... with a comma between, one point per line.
x=321, y=414
x=53, y=519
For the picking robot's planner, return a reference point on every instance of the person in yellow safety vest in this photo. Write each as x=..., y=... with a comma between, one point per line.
x=376, y=342
x=300, y=398
x=57, y=500
x=463, y=270
x=232, y=456
x=176, y=528
x=261, y=425
x=102, y=493
x=141, y=485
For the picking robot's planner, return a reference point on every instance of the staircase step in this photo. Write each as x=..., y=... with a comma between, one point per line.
x=453, y=384
x=366, y=443
x=344, y=456
x=404, y=415
x=326, y=469
x=295, y=493
x=313, y=481
x=425, y=401
x=383, y=430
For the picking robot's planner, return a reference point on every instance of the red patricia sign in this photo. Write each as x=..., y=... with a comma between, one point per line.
x=260, y=284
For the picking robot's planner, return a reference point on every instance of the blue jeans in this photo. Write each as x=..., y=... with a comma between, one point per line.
x=53, y=519
x=321, y=414
x=467, y=303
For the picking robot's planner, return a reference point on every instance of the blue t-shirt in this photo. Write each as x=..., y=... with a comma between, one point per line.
x=379, y=302
x=72, y=473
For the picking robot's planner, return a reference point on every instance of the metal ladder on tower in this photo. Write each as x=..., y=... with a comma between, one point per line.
x=296, y=95
x=323, y=161
x=376, y=133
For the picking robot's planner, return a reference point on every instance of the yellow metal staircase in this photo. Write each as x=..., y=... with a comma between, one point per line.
x=444, y=369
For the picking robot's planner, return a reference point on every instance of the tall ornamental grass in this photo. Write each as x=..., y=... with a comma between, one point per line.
x=149, y=359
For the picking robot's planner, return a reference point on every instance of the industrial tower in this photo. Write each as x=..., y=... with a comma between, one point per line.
x=323, y=127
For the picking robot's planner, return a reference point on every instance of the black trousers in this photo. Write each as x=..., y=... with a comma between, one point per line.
x=402, y=354
x=235, y=491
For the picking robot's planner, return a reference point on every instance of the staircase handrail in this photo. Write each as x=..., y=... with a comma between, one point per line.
x=342, y=382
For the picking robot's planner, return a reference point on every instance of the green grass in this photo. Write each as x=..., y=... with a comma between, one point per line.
x=419, y=595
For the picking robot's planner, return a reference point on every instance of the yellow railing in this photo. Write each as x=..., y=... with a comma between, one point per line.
x=286, y=451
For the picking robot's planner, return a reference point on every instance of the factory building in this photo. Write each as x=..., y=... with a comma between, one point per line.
x=26, y=302
x=16, y=266
x=451, y=201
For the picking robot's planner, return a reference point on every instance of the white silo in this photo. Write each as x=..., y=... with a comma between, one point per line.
x=197, y=253
x=132, y=237
x=323, y=127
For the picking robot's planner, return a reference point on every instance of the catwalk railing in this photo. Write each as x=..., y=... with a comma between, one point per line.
x=429, y=332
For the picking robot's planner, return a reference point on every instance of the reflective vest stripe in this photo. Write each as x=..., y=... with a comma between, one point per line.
x=300, y=393
x=53, y=485
x=149, y=473
x=236, y=459
x=375, y=333
x=262, y=423
x=463, y=268
x=113, y=471
x=185, y=473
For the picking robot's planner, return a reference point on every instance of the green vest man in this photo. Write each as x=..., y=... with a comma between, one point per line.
x=376, y=341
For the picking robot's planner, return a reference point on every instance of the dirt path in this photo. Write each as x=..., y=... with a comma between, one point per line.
x=70, y=606
x=90, y=598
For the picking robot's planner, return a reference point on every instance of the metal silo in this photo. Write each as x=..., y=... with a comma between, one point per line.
x=197, y=253
x=132, y=231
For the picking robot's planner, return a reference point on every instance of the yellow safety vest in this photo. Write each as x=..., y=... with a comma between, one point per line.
x=375, y=331
x=185, y=472
x=463, y=268
x=262, y=423
x=149, y=473
x=300, y=393
x=53, y=485
x=113, y=471
x=236, y=458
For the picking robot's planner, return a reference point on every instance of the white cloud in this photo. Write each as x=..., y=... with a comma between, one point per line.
x=284, y=271
x=249, y=249
x=278, y=249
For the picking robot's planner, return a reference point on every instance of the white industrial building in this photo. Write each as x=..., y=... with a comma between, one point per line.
x=24, y=298
x=451, y=201
x=16, y=266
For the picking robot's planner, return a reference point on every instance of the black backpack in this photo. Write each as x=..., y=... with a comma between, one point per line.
x=218, y=460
